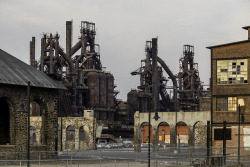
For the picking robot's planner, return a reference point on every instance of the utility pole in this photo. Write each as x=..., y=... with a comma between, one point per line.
x=241, y=119
x=224, y=141
x=28, y=135
x=208, y=141
x=149, y=117
x=60, y=110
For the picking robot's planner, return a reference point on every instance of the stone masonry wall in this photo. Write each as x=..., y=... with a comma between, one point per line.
x=47, y=99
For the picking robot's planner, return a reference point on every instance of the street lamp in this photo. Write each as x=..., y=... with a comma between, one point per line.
x=28, y=126
x=241, y=119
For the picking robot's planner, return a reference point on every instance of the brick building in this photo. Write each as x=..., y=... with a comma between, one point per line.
x=230, y=86
x=13, y=124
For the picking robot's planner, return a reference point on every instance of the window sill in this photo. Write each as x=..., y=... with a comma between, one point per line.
x=225, y=111
x=233, y=84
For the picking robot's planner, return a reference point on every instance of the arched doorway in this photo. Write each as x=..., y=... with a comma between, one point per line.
x=182, y=134
x=164, y=132
x=145, y=133
x=70, y=138
x=4, y=122
x=84, y=137
x=83, y=133
x=33, y=135
x=200, y=134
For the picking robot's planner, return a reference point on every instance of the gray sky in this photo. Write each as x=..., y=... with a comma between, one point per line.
x=123, y=26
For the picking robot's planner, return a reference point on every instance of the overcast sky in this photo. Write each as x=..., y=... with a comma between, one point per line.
x=123, y=27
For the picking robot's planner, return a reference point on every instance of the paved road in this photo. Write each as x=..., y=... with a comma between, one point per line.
x=128, y=154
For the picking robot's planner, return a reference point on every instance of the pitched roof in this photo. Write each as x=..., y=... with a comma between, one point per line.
x=15, y=72
x=226, y=44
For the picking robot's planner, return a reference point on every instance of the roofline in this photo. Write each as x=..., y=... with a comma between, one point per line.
x=33, y=86
x=232, y=43
x=246, y=27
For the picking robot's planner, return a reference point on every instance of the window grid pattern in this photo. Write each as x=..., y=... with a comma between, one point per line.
x=232, y=71
x=226, y=104
x=221, y=104
x=232, y=103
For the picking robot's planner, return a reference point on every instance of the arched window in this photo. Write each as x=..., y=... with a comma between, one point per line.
x=70, y=133
x=145, y=133
x=35, y=109
x=200, y=134
x=182, y=134
x=164, y=132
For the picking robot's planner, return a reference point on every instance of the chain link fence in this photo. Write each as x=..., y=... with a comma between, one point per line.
x=126, y=157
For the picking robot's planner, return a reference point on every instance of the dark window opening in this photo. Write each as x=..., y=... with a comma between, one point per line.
x=35, y=109
x=4, y=122
x=218, y=134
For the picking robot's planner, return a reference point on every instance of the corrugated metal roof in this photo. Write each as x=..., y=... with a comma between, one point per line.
x=15, y=72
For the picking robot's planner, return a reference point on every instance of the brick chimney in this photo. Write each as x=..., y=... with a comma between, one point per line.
x=247, y=28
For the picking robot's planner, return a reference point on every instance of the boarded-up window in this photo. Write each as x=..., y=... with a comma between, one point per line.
x=232, y=71
x=218, y=134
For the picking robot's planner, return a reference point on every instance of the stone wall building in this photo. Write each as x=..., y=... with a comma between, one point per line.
x=230, y=86
x=190, y=129
x=13, y=123
x=79, y=133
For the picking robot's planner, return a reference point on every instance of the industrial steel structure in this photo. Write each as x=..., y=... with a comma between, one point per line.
x=190, y=87
x=79, y=67
x=186, y=85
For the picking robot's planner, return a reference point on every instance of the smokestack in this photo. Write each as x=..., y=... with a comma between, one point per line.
x=68, y=37
x=155, y=76
x=32, y=52
x=43, y=41
x=247, y=28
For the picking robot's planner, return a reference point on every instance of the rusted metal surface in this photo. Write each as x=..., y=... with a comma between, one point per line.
x=102, y=90
x=152, y=81
x=189, y=91
x=155, y=76
x=88, y=87
x=110, y=90
x=190, y=87
x=32, y=52
x=93, y=85
x=132, y=105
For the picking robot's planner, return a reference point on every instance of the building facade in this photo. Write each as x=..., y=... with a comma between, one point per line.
x=230, y=86
x=13, y=121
